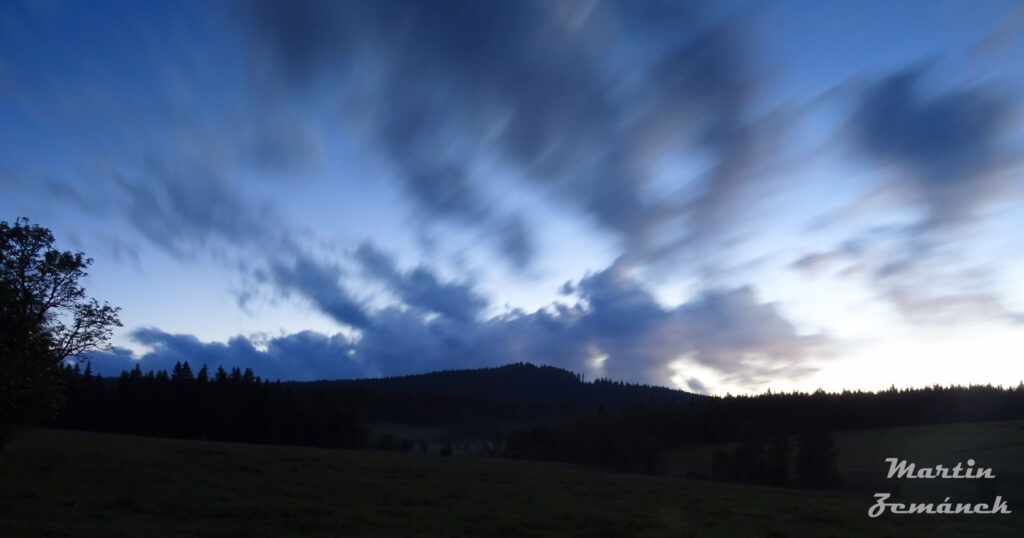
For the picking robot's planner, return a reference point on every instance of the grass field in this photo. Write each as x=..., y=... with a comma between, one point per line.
x=60, y=483
x=862, y=453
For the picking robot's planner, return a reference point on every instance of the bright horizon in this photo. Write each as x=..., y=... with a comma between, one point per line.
x=725, y=199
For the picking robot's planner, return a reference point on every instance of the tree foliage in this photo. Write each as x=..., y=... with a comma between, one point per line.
x=45, y=317
x=233, y=405
x=816, y=460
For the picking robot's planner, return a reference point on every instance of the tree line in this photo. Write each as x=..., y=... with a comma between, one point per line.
x=222, y=405
x=601, y=423
x=635, y=438
x=761, y=459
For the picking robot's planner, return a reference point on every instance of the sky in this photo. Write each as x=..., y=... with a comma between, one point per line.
x=724, y=197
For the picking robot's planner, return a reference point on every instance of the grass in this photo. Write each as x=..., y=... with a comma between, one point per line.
x=996, y=445
x=62, y=483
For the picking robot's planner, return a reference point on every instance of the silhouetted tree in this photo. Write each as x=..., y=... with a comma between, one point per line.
x=720, y=465
x=203, y=375
x=777, y=461
x=816, y=460
x=45, y=317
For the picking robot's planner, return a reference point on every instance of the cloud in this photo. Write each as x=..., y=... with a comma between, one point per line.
x=445, y=91
x=617, y=329
x=190, y=212
x=695, y=385
x=709, y=81
x=926, y=306
x=186, y=210
x=321, y=284
x=375, y=262
x=532, y=85
x=948, y=145
x=925, y=282
x=732, y=331
x=815, y=263
x=420, y=287
x=924, y=292
x=302, y=356
x=949, y=154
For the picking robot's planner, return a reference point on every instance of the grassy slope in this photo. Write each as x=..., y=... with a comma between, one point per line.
x=58, y=483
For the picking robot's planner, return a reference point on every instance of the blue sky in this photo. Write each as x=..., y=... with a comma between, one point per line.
x=723, y=197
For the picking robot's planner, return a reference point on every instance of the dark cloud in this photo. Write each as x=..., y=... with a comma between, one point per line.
x=420, y=287
x=709, y=81
x=732, y=331
x=618, y=306
x=950, y=150
x=617, y=329
x=322, y=285
x=188, y=212
x=376, y=263
x=312, y=355
x=515, y=240
x=535, y=85
x=695, y=385
x=726, y=329
x=302, y=356
x=948, y=145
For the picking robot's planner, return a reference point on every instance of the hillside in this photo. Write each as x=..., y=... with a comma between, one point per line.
x=510, y=393
x=238, y=406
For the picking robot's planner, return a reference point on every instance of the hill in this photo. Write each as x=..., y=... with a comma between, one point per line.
x=239, y=406
x=507, y=394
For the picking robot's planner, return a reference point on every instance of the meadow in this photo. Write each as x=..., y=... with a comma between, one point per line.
x=998, y=445
x=68, y=483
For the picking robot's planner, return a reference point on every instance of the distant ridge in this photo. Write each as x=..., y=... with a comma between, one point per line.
x=523, y=382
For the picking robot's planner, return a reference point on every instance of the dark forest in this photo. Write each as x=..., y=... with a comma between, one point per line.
x=519, y=411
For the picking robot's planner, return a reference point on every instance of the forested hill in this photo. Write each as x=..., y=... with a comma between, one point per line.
x=237, y=405
x=514, y=391
x=527, y=411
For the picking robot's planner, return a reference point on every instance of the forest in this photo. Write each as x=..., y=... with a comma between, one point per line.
x=519, y=411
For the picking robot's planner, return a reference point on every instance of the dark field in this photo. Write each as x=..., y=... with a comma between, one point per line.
x=998, y=445
x=62, y=483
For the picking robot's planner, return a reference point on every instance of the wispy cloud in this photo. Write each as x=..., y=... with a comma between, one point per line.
x=534, y=86
x=949, y=145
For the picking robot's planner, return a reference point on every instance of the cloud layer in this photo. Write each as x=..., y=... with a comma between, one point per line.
x=535, y=86
x=616, y=329
x=318, y=151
